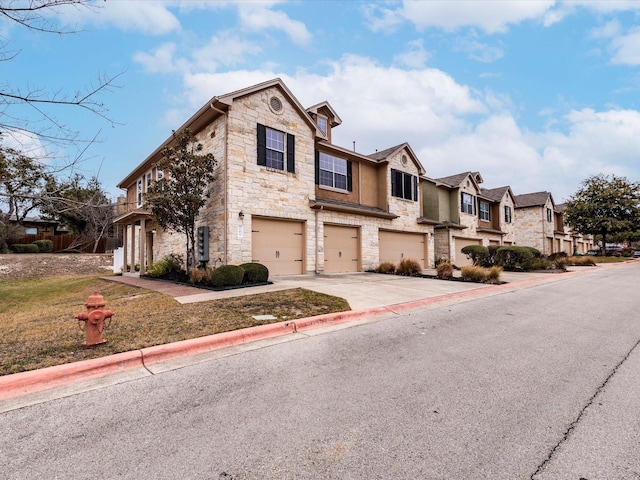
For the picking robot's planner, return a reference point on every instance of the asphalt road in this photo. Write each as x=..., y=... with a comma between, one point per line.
x=540, y=383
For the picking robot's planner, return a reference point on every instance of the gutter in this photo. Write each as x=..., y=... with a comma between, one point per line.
x=224, y=177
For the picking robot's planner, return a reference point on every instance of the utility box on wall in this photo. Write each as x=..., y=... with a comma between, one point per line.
x=202, y=247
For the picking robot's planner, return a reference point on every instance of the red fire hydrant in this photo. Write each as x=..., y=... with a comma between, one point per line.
x=94, y=320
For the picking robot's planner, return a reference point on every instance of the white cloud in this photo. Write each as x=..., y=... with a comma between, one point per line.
x=383, y=19
x=257, y=17
x=414, y=57
x=476, y=50
x=492, y=16
x=626, y=48
x=226, y=48
x=161, y=60
x=148, y=17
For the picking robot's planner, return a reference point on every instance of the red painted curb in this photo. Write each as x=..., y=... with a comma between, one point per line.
x=160, y=353
x=45, y=378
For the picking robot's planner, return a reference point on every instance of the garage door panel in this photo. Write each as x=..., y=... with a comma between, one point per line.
x=397, y=246
x=278, y=245
x=341, y=247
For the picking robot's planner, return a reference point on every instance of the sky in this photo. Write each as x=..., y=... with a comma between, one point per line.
x=538, y=95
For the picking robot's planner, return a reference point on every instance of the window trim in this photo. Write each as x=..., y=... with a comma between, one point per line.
x=549, y=215
x=482, y=213
x=325, y=120
x=471, y=204
x=348, y=176
x=508, y=216
x=288, y=160
x=139, y=192
x=401, y=182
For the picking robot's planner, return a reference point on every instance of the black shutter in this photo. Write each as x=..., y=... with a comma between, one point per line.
x=262, y=145
x=394, y=185
x=349, y=176
x=291, y=153
x=317, y=162
x=415, y=188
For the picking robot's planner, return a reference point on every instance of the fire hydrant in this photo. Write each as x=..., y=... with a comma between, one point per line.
x=94, y=320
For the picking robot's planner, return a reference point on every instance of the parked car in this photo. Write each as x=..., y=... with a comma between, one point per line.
x=593, y=252
x=636, y=254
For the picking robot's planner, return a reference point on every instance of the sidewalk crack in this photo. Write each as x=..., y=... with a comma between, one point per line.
x=574, y=424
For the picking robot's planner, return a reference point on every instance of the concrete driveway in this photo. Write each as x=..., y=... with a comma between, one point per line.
x=361, y=290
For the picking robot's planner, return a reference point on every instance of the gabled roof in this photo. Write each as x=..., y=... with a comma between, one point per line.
x=536, y=199
x=456, y=180
x=214, y=108
x=496, y=194
x=335, y=120
x=384, y=154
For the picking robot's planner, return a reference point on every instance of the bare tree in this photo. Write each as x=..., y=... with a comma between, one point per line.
x=28, y=121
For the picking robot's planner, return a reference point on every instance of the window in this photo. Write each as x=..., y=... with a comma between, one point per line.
x=404, y=185
x=507, y=214
x=159, y=174
x=333, y=171
x=276, y=149
x=148, y=183
x=31, y=231
x=322, y=124
x=549, y=215
x=139, y=193
x=468, y=203
x=485, y=211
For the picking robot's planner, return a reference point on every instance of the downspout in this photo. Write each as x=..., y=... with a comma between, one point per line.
x=224, y=180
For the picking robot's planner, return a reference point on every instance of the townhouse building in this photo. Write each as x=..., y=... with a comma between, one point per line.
x=284, y=195
x=540, y=224
x=465, y=214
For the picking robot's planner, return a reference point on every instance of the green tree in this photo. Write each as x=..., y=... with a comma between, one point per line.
x=176, y=199
x=605, y=206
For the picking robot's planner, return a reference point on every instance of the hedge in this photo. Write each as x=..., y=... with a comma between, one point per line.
x=24, y=248
x=227, y=276
x=255, y=273
x=477, y=253
x=44, y=246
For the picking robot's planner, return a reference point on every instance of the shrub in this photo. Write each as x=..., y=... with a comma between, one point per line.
x=582, y=261
x=199, y=276
x=444, y=270
x=516, y=258
x=536, y=253
x=475, y=273
x=255, y=273
x=44, y=246
x=491, y=257
x=408, y=268
x=440, y=260
x=24, y=248
x=227, y=276
x=477, y=253
x=171, y=263
x=386, y=267
x=557, y=255
x=494, y=273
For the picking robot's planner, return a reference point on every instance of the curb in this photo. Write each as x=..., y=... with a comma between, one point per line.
x=33, y=381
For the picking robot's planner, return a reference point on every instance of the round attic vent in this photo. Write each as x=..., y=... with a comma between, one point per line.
x=275, y=104
x=404, y=159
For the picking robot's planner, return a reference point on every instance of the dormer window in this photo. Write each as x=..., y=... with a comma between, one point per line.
x=322, y=124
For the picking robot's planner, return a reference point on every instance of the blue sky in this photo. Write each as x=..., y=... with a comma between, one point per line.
x=537, y=95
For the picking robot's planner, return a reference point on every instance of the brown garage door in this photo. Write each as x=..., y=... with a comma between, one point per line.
x=278, y=245
x=461, y=259
x=396, y=246
x=341, y=246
